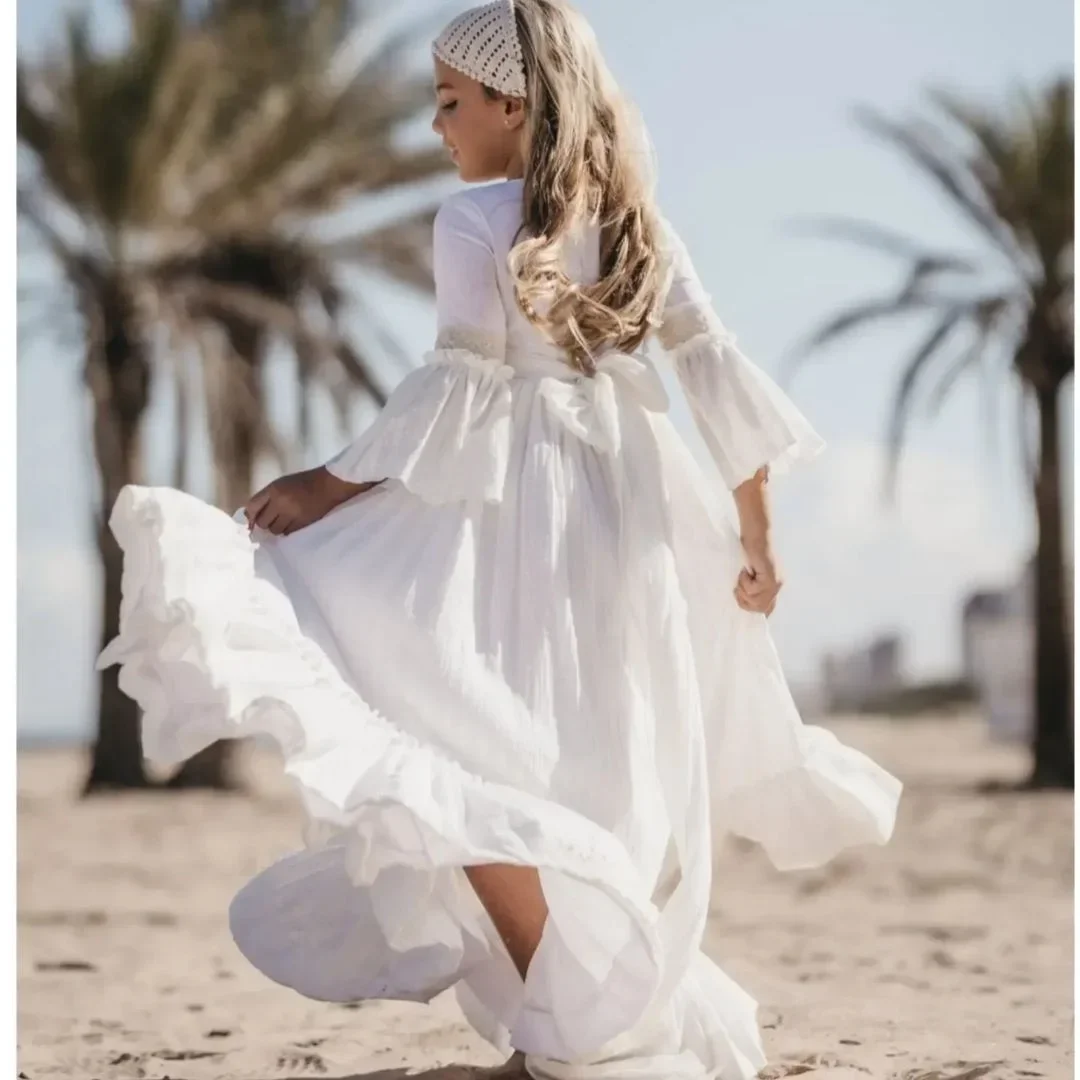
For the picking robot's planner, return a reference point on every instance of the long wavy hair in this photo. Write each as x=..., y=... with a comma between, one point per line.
x=583, y=160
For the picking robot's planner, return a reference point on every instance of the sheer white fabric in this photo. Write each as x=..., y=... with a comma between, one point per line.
x=745, y=419
x=521, y=648
x=444, y=433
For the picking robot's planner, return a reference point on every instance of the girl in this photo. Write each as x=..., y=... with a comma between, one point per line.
x=516, y=658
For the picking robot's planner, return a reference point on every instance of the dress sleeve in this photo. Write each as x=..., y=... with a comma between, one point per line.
x=745, y=419
x=444, y=431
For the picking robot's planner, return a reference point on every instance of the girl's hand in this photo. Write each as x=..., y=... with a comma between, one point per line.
x=295, y=501
x=759, y=582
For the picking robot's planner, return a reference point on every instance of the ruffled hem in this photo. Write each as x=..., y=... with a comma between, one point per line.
x=211, y=650
x=211, y=647
x=793, y=788
x=444, y=432
x=834, y=799
x=745, y=419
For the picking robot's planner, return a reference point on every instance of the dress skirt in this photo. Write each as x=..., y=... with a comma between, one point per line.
x=556, y=677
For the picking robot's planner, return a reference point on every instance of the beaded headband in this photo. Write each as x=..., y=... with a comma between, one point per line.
x=483, y=44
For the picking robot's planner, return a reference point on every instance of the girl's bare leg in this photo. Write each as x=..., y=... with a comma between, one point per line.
x=514, y=898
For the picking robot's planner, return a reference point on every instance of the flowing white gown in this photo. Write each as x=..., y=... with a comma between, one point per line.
x=523, y=648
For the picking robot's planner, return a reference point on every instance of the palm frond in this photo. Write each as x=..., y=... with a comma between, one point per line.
x=925, y=147
x=61, y=250
x=913, y=372
x=885, y=241
x=986, y=316
x=856, y=317
x=43, y=133
x=179, y=128
x=401, y=249
x=1010, y=174
x=195, y=157
x=1024, y=164
x=360, y=371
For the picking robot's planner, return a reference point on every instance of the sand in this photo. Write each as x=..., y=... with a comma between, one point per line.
x=947, y=954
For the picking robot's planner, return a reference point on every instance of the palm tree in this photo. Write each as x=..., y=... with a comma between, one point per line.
x=174, y=184
x=1010, y=177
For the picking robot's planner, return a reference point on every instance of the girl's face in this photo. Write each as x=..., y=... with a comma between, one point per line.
x=482, y=132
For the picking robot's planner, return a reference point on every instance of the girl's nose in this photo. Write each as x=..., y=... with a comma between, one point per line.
x=436, y=123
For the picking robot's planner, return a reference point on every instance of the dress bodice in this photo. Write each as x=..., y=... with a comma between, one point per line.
x=492, y=216
x=446, y=427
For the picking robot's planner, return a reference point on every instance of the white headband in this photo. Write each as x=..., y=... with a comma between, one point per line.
x=483, y=44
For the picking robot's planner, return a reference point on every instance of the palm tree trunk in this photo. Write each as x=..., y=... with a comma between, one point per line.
x=118, y=378
x=117, y=760
x=1052, y=744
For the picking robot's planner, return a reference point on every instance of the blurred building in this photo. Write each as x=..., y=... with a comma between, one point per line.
x=998, y=631
x=853, y=680
x=998, y=650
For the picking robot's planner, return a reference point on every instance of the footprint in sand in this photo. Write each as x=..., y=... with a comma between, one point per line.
x=807, y=1063
x=129, y=1064
x=291, y=1060
x=937, y=932
x=940, y=958
x=64, y=965
x=969, y=1071
x=186, y=1055
x=770, y=1020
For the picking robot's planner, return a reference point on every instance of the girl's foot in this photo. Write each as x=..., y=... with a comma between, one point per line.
x=511, y=1069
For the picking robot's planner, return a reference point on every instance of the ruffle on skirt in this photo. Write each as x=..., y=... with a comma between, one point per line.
x=211, y=649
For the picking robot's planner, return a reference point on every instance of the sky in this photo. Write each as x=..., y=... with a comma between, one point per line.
x=751, y=106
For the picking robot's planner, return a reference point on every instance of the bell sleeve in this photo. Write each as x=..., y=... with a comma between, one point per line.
x=444, y=432
x=745, y=419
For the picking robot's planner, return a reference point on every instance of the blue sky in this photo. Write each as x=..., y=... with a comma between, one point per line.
x=750, y=104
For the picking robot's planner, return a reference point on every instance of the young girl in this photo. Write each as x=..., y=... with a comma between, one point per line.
x=516, y=658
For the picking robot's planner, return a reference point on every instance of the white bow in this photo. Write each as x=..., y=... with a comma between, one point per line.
x=589, y=405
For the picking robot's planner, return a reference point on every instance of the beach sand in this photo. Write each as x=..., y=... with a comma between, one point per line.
x=947, y=954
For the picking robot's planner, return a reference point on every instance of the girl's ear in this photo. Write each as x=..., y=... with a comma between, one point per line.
x=514, y=112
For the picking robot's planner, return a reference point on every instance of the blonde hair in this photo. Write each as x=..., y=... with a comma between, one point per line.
x=580, y=163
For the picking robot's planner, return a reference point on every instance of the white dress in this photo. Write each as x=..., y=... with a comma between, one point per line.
x=523, y=648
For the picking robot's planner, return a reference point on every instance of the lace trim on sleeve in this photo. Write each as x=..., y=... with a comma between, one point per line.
x=688, y=323
x=482, y=342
